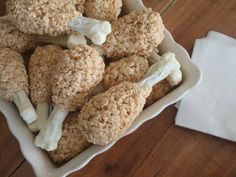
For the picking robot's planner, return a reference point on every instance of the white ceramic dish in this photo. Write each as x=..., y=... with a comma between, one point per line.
x=42, y=165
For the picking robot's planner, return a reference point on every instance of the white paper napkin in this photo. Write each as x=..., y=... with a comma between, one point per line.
x=211, y=106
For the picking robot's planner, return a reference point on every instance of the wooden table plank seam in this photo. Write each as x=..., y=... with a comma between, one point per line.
x=20, y=164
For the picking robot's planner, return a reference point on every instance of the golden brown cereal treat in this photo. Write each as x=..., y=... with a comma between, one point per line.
x=103, y=9
x=13, y=75
x=43, y=17
x=107, y=116
x=80, y=70
x=158, y=91
x=14, y=83
x=130, y=69
x=12, y=38
x=80, y=5
x=71, y=143
x=137, y=33
x=41, y=64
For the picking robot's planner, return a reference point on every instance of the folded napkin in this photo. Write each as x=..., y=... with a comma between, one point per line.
x=210, y=107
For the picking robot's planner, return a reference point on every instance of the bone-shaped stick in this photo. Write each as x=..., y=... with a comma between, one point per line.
x=69, y=41
x=163, y=68
x=95, y=30
x=5, y=18
x=176, y=76
x=43, y=110
x=24, y=106
x=53, y=130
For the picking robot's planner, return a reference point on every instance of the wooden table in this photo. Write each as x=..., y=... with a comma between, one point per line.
x=158, y=148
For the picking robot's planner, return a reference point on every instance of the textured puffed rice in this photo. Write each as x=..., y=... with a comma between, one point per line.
x=14, y=39
x=158, y=91
x=107, y=116
x=41, y=64
x=43, y=17
x=13, y=75
x=130, y=69
x=80, y=5
x=71, y=143
x=80, y=70
x=103, y=9
x=137, y=33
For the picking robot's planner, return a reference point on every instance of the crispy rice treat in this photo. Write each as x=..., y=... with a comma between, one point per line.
x=12, y=38
x=80, y=5
x=43, y=17
x=13, y=75
x=103, y=9
x=75, y=75
x=137, y=33
x=71, y=143
x=107, y=116
x=158, y=91
x=41, y=64
x=130, y=69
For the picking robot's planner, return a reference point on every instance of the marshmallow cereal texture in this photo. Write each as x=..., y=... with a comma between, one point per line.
x=158, y=91
x=13, y=75
x=80, y=5
x=14, y=39
x=79, y=71
x=43, y=17
x=71, y=143
x=107, y=116
x=130, y=69
x=103, y=9
x=41, y=64
x=137, y=33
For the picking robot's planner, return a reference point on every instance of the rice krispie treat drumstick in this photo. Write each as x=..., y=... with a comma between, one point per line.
x=14, y=83
x=80, y=70
x=12, y=38
x=41, y=64
x=130, y=69
x=52, y=18
x=103, y=9
x=107, y=116
x=71, y=143
x=42, y=17
x=137, y=33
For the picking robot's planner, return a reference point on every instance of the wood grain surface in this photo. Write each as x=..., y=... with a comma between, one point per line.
x=158, y=148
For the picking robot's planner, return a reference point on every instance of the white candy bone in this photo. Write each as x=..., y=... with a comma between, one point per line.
x=24, y=106
x=43, y=110
x=50, y=135
x=95, y=30
x=5, y=18
x=176, y=76
x=69, y=41
x=161, y=70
